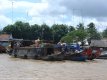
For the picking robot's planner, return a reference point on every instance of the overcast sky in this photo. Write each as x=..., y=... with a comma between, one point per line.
x=70, y=12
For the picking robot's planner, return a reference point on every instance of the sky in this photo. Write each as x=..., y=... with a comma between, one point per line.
x=70, y=12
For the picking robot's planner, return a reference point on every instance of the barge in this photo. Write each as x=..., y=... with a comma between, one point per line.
x=48, y=52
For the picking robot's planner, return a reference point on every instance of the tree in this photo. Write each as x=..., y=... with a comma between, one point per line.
x=104, y=33
x=80, y=26
x=67, y=39
x=8, y=29
x=71, y=28
x=92, y=32
x=59, y=31
x=76, y=35
x=35, y=32
x=22, y=30
x=18, y=30
x=46, y=33
x=1, y=31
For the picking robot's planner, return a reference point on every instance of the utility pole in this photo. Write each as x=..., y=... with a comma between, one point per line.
x=27, y=15
x=53, y=36
x=12, y=11
x=53, y=31
x=82, y=15
x=73, y=17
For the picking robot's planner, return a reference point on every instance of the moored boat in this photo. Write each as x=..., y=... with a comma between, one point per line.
x=48, y=52
x=92, y=53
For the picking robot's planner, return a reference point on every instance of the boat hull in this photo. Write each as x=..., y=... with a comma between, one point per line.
x=60, y=57
x=41, y=54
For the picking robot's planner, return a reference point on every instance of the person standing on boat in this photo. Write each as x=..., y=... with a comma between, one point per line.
x=77, y=49
x=37, y=43
x=38, y=49
x=64, y=48
x=60, y=45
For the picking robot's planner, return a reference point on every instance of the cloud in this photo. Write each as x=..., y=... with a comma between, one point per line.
x=88, y=8
x=92, y=10
x=4, y=21
x=85, y=8
x=69, y=12
x=4, y=4
x=37, y=9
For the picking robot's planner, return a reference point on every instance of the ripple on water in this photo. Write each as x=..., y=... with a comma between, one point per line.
x=28, y=69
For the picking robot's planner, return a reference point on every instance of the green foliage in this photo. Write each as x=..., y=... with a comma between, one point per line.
x=56, y=32
x=35, y=32
x=92, y=32
x=59, y=31
x=18, y=30
x=78, y=34
x=104, y=34
x=1, y=31
x=46, y=33
x=71, y=28
x=8, y=29
x=80, y=26
x=67, y=39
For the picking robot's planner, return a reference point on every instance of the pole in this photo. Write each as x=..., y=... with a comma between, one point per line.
x=26, y=16
x=82, y=16
x=42, y=33
x=53, y=36
x=73, y=17
x=12, y=12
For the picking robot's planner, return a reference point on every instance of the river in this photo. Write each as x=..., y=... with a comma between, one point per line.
x=29, y=69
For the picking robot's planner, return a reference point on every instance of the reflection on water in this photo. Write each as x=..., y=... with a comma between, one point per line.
x=24, y=69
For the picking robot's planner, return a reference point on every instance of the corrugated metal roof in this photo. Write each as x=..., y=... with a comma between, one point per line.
x=5, y=37
x=99, y=43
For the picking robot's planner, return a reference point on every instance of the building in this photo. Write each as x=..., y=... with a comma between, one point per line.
x=99, y=43
x=4, y=39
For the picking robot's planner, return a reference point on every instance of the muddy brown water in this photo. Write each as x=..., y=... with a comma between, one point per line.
x=28, y=69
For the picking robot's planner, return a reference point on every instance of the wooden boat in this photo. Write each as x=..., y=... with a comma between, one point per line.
x=103, y=55
x=92, y=53
x=48, y=52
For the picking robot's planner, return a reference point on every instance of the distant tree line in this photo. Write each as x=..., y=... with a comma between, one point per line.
x=55, y=33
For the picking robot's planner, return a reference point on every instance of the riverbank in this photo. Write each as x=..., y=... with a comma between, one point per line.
x=24, y=69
